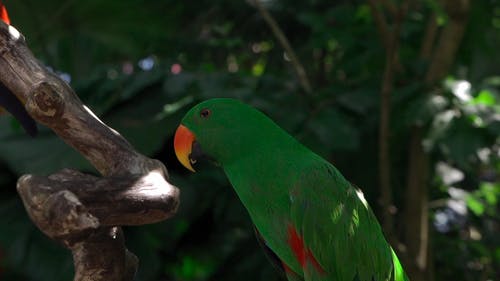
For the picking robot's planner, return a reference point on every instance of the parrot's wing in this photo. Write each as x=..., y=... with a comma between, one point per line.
x=339, y=229
x=282, y=268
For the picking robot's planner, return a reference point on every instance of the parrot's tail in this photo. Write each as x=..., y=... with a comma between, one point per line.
x=399, y=273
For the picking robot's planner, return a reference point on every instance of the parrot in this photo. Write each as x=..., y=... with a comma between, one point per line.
x=9, y=101
x=316, y=224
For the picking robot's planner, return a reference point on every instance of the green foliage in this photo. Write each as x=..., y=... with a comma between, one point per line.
x=484, y=200
x=140, y=65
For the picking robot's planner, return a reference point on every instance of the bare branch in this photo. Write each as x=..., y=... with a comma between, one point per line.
x=381, y=23
x=417, y=192
x=391, y=7
x=391, y=65
x=441, y=57
x=93, y=255
x=83, y=211
x=449, y=40
x=386, y=32
x=429, y=38
x=280, y=36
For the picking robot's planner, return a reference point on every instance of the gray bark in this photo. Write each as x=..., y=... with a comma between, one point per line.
x=84, y=212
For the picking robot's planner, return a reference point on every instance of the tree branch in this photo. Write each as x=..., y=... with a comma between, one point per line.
x=381, y=23
x=384, y=30
x=449, y=40
x=83, y=211
x=114, y=263
x=280, y=36
x=391, y=7
x=416, y=202
x=441, y=57
x=429, y=38
x=391, y=40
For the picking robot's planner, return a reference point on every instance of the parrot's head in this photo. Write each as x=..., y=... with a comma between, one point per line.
x=220, y=129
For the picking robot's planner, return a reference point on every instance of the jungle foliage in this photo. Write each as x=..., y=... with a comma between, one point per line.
x=140, y=65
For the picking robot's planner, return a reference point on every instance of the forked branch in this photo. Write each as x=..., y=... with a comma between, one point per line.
x=81, y=211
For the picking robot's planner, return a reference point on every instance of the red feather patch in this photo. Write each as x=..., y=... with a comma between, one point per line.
x=3, y=14
x=302, y=254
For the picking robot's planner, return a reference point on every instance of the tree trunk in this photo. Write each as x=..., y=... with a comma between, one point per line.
x=442, y=56
x=84, y=212
x=416, y=210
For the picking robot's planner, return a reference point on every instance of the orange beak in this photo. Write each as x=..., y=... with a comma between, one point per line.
x=183, y=144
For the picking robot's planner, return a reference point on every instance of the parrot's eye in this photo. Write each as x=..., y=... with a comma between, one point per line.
x=204, y=113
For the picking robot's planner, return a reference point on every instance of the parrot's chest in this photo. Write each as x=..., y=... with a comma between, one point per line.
x=273, y=200
x=275, y=217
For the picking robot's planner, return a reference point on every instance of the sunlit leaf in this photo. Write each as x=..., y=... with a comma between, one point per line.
x=259, y=67
x=491, y=192
x=484, y=97
x=475, y=205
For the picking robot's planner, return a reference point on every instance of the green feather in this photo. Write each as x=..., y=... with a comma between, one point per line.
x=283, y=184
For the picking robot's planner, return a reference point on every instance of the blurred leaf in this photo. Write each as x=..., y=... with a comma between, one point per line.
x=177, y=85
x=359, y=101
x=484, y=97
x=475, y=205
x=490, y=191
x=43, y=155
x=425, y=108
x=140, y=81
x=139, y=124
x=333, y=131
x=26, y=248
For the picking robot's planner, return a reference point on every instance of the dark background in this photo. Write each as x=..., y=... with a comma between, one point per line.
x=140, y=65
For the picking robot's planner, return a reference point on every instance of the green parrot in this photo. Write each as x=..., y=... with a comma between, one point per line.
x=314, y=221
